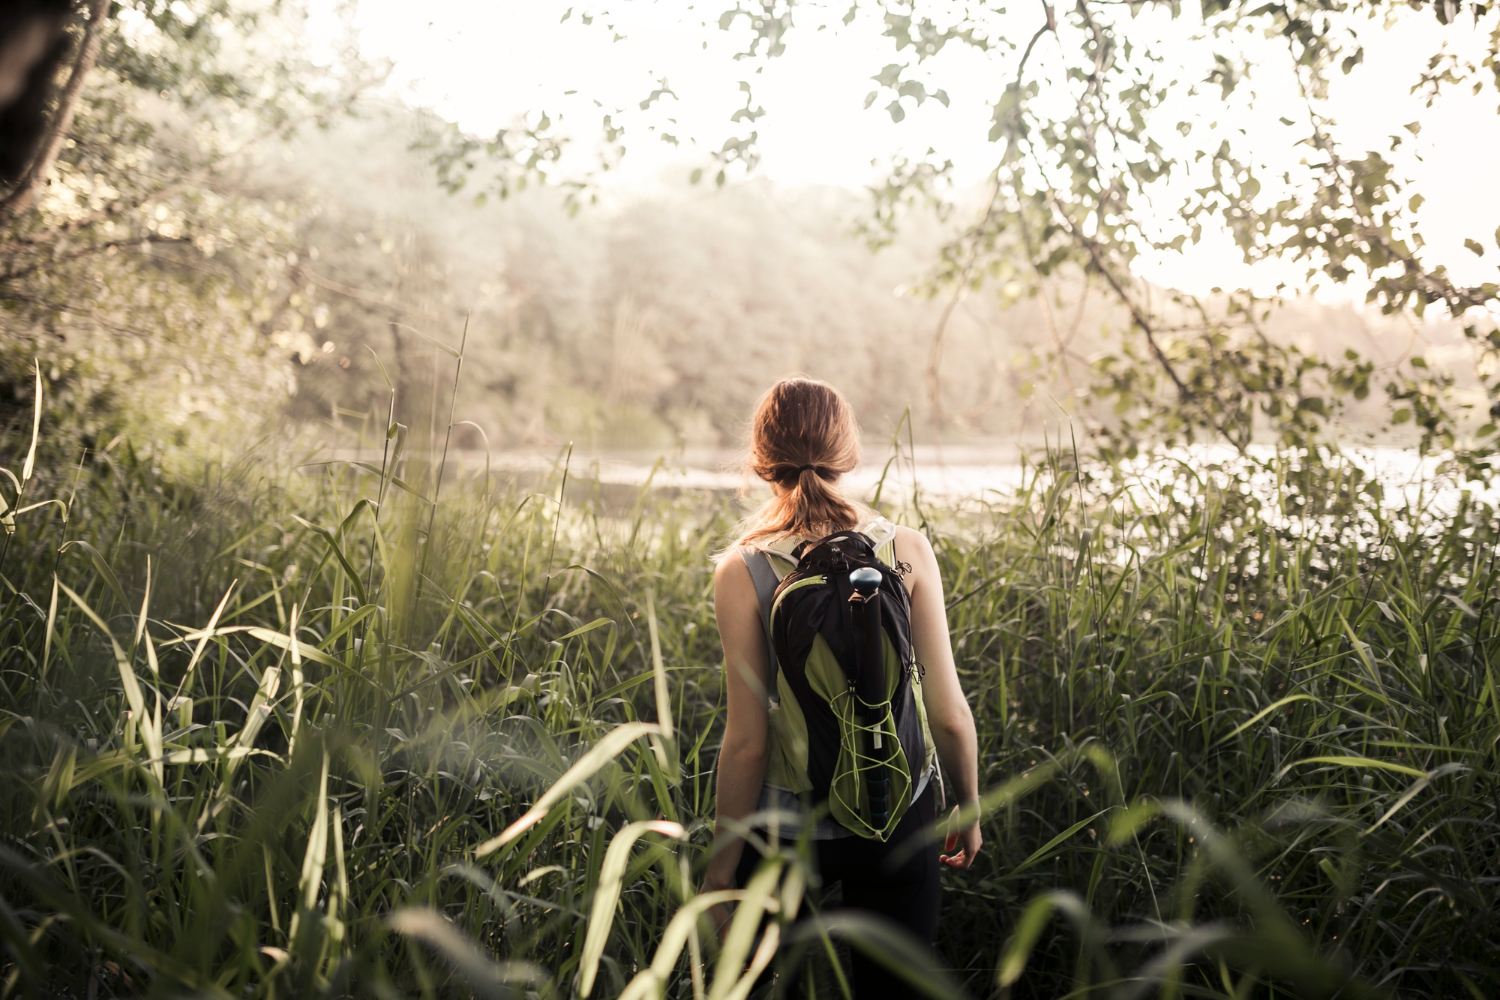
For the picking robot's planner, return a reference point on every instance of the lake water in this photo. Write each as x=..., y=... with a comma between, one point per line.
x=966, y=474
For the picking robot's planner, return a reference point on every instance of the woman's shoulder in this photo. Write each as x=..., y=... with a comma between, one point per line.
x=727, y=558
x=731, y=575
x=912, y=540
x=731, y=562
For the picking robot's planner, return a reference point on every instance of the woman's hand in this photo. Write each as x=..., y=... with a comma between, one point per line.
x=719, y=914
x=968, y=836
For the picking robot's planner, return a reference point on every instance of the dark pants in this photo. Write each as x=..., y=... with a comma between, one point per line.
x=893, y=880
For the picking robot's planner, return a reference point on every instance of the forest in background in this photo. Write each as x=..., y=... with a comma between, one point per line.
x=310, y=269
x=655, y=319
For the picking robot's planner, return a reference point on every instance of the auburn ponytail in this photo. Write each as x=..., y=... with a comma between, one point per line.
x=803, y=439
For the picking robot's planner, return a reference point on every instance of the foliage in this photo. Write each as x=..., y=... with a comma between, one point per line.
x=182, y=289
x=277, y=735
x=1084, y=127
x=149, y=270
x=1105, y=113
x=656, y=320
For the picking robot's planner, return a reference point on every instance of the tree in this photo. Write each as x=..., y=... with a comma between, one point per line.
x=137, y=258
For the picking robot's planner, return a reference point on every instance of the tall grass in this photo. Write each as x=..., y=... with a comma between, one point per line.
x=278, y=735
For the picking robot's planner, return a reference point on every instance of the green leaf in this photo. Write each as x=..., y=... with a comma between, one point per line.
x=744, y=928
x=337, y=550
x=882, y=942
x=662, y=689
x=283, y=641
x=604, y=751
x=208, y=631
x=1029, y=930
x=582, y=629
x=1451, y=767
x=1282, y=703
x=1348, y=760
x=388, y=383
x=1463, y=605
x=133, y=696
x=105, y=573
x=1041, y=853
x=508, y=979
x=611, y=878
x=36, y=426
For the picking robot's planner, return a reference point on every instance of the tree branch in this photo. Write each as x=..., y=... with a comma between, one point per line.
x=207, y=170
x=358, y=294
x=935, y=350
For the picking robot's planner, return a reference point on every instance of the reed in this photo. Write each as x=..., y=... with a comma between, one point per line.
x=279, y=734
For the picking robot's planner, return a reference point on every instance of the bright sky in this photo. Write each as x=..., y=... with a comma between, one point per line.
x=483, y=62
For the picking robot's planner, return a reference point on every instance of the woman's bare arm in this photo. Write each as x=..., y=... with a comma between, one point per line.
x=742, y=759
x=948, y=711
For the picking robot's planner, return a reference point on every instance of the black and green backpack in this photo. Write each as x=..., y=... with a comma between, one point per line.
x=848, y=727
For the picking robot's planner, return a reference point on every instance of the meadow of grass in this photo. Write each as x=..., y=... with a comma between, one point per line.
x=271, y=733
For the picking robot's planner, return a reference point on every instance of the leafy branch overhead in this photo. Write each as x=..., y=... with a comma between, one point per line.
x=1123, y=133
x=1125, y=130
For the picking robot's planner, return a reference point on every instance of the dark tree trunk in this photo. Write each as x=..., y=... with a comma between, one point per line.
x=30, y=185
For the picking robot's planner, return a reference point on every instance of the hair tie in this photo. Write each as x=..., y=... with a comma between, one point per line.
x=787, y=473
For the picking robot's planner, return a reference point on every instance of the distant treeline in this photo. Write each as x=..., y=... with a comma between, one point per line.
x=649, y=318
x=656, y=317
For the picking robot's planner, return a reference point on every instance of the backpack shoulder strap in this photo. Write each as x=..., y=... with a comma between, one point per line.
x=882, y=535
x=765, y=579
